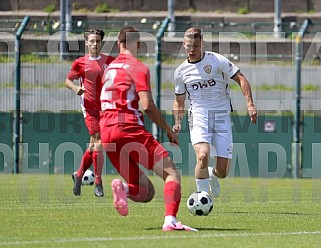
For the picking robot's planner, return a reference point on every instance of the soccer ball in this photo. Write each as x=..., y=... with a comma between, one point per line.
x=200, y=203
x=88, y=177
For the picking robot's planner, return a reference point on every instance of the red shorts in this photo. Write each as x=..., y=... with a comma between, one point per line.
x=127, y=146
x=92, y=121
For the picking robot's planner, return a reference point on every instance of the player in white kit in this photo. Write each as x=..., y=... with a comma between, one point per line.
x=203, y=78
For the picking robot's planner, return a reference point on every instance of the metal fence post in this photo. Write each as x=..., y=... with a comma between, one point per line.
x=16, y=138
x=158, y=49
x=298, y=61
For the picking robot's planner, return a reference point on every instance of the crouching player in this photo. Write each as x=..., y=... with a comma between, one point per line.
x=125, y=139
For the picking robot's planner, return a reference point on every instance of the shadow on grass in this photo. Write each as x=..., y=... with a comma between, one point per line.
x=209, y=229
x=221, y=229
x=270, y=213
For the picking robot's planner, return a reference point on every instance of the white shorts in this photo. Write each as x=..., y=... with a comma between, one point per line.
x=215, y=131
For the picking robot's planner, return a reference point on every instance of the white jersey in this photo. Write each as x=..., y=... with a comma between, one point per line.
x=206, y=84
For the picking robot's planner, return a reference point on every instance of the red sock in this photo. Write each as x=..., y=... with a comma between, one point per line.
x=86, y=162
x=98, y=159
x=172, y=197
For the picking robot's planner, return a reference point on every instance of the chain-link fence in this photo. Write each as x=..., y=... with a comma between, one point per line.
x=43, y=72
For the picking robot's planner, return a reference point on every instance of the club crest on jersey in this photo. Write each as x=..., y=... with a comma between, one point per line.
x=207, y=69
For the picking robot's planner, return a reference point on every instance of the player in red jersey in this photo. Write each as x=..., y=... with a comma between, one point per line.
x=88, y=70
x=125, y=139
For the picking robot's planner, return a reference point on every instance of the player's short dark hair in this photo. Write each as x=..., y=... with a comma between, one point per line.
x=128, y=34
x=94, y=31
x=193, y=33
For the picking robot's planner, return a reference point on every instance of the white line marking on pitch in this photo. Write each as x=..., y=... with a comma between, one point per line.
x=74, y=240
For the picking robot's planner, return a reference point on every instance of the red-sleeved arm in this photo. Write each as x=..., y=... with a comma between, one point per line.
x=74, y=72
x=142, y=78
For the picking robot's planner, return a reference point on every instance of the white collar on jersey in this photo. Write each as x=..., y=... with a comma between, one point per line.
x=94, y=58
x=194, y=62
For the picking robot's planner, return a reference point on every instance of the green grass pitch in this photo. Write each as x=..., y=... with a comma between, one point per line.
x=41, y=211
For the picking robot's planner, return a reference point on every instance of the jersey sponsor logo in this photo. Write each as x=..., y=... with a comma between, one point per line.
x=108, y=105
x=204, y=84
x=207, y=69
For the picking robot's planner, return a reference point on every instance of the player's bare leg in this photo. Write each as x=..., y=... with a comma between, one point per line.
x=222, y=167
x=219, y=171
x=144, y=188
x=202, y=151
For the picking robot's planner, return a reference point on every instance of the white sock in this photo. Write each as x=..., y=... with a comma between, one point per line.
x=169, y=220
x=202, y=184
x=210, y=172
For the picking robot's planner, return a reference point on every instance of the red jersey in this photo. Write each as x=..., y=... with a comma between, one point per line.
x=89, y=72
x=124, y=77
